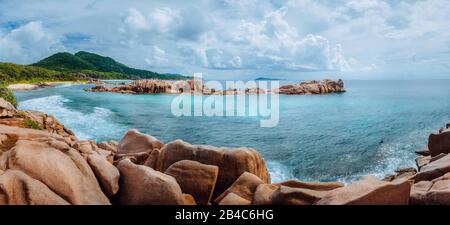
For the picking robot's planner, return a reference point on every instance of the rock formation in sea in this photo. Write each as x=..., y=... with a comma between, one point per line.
x=153, y=86
x=42, y=162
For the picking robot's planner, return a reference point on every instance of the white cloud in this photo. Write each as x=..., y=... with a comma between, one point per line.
x=158, y=58
x=28, y=43
x=250, y=36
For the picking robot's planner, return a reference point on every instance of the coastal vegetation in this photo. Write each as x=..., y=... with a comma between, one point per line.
x=65, y=66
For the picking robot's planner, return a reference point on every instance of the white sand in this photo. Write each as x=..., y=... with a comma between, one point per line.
x=22, y=87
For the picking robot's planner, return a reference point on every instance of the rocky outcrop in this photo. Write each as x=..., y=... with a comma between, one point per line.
x=6, y=109
x=369, y=191
x=439, y=143
x=155, y=86
x=313, y=87
x=136, y=142
x=195, y=178
x=17, y=188
x=107, y=174
x=143, y=185
x=244, y=187
x=435, y=192
x=232, y=162
x=292, y=192
x=435, y=168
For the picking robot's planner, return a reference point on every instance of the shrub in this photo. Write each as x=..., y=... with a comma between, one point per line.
x=32, y=124
x=7, y=94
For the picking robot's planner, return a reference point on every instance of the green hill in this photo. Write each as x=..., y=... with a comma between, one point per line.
x=93, y=63
x=64, y=61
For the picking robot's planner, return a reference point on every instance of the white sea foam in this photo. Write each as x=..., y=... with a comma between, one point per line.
x=279, y=172
x=85, y=126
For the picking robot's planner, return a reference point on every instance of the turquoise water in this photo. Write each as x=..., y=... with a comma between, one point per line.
x=373, y=128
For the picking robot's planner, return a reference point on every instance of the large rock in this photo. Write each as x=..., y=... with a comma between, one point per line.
x=17, y=188
x=369, y=191
x=232, y=162
x=65, y=172
x=313, y=87
x=245, y=187
x=292, y=192
x=143, y=185
x=439, y=143
x=435, y=192
x=107, y=174
x=6, y=109
x=434, y=169
x=152, y=159
x=136, y=142
x=233, y=199
x=111, y=146
x=195, y=178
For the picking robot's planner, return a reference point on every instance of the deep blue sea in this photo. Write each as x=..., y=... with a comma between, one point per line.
x=373, y=128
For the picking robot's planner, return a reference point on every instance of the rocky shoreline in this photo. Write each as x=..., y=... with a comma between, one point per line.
x=42, y=162
x=154, y=86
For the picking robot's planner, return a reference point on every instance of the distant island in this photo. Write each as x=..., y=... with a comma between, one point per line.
x=268, y=78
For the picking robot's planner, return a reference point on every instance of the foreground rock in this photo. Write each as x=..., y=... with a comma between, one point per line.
x=64, y=171
x=435, y=192
x=232, y=162
x=244, y=187
x=195, y=178
x=107, y=174
x=142, y=185
x=369, y=191
x=439, y=143
x=6, y=109
x=136, y=142
x=292, y=192
x=437, y=166
x=17, y=188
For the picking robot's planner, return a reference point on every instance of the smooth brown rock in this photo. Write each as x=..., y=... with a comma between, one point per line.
x=421, y=161
x=107, y=174
x=17, y=188
x=245, y=187
x=188, y=199
x=439, y=143
x=233, y=199
x=296, y=196
x=195, y=178
x=263, y=194
x=137, y=158
x=434, y=169
x=143, y=185
x=136, y=142
x=232, y=162
x=435, y=192
x=65, y=172
x=369, y=191
x=86, y=147
x=152, y=159
x=6, y=109
x=111, y=146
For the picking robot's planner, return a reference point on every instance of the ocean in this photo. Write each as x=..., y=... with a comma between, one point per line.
x=372, y=129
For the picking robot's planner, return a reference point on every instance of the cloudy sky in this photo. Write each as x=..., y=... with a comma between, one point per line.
x=229, y=39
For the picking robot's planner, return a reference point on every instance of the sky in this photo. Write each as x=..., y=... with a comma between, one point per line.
x=239, y=39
